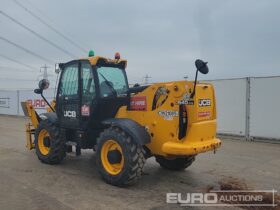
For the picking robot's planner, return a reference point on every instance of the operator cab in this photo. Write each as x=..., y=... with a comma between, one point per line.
x=90, y=90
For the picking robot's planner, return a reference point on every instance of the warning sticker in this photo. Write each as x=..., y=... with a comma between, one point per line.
x=204, y=114
x=85, y=110
x=168, y=114
x=138, y=103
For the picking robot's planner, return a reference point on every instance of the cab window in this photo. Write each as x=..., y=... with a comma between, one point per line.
x=112, y=81
x=69, y=81
x=88, y=85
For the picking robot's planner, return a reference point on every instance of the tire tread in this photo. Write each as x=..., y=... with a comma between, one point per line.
x=58, y=149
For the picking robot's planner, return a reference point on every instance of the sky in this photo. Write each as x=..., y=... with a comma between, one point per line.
x=159, y=38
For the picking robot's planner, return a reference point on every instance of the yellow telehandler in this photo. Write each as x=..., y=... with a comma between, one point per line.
x=95, y=108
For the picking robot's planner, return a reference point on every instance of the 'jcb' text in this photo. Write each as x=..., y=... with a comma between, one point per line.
x=204, y=102
x=71, y=114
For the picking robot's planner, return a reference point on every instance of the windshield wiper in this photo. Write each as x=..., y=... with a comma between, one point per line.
x=109, y=85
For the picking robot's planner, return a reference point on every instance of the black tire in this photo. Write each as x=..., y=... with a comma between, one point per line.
x=132, y=153
x=57, y=147
x=175, y=164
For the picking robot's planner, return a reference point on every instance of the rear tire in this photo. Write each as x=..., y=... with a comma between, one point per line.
x=128, y=169
x=54, y=151
x=176, y=164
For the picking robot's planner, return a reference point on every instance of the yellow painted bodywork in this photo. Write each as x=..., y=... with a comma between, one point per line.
x=30, y=127
x=28, y=135
x=201, y=129
x=30, y=112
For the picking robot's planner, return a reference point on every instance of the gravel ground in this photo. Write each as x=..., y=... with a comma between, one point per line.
x=26, y=183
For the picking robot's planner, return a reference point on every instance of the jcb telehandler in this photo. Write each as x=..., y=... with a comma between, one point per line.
x=95, y=108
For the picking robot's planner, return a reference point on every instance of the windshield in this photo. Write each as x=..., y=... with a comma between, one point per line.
x=112, y=81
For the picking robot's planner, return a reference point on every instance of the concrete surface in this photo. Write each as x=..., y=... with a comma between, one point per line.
x=26, y=183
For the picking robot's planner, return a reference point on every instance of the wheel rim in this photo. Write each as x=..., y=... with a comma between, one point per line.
x=41, y=144
x=111, y=168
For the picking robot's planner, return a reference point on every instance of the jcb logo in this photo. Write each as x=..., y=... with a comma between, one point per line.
x=71, y=114
x=204, y=102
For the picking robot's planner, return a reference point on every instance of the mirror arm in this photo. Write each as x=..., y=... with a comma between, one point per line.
x=47, y=102
x=192, y=95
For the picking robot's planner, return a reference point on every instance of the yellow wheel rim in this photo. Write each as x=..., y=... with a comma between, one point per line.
x=116, y=168
x=43, y=149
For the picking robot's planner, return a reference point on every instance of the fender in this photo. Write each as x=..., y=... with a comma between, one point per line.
x=134, y=129
x=51, y=116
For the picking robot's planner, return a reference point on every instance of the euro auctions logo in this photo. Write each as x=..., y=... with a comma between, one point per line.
x=192, y=198
x=254, y=198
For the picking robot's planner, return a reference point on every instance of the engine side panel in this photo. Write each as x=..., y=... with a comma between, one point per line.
x=161, y=118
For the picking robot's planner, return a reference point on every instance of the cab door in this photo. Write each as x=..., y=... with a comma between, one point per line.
x=88, y=94
x=68, y=97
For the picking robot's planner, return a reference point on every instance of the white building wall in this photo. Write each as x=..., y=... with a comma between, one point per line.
x=231, y=106
x=9, y=102
x=265, y=107
x=35, y=99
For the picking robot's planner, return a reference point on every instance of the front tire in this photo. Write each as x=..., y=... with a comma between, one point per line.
x=120, y=159
x=50, y=148
x=175, y=164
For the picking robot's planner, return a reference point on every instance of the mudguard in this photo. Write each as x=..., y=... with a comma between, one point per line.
x=134, y=129
x=51, y=116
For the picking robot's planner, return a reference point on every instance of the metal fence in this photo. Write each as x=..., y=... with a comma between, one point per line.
x=247, y=107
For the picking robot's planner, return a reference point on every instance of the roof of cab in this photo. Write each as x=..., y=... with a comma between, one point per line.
x=94, y=59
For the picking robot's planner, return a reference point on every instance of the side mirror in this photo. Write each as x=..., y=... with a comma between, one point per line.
x=44, y=84
x=201, y=66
